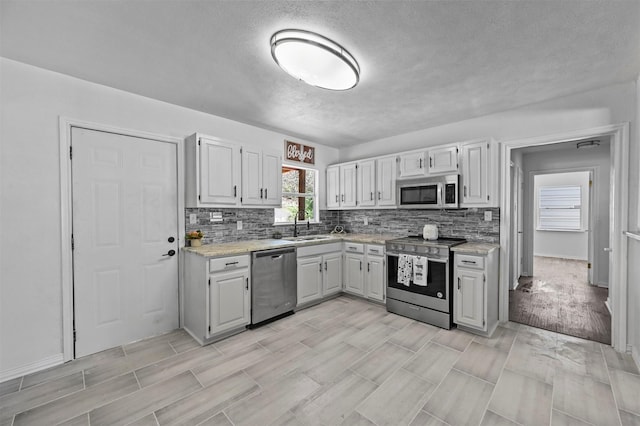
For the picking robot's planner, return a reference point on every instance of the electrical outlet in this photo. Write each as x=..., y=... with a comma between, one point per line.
x=488, y=216
x=193, y=219
x=239, y=225
x=366, y=220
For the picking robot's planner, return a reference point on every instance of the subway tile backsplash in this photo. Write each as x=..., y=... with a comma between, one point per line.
x=258, y=223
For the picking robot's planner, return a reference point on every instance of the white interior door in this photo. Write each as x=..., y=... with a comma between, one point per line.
x=124, y=216
x=520, y=222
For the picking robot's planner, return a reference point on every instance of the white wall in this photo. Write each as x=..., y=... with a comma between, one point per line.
x=32, y=101
x=562, y=244
x=634, y=246
x=576, y=159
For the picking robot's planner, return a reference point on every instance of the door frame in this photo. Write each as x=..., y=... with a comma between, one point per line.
x=594, y=173
x=618, y=218
x=66, y=215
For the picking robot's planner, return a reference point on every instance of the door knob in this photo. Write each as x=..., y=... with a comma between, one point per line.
x=171, y=239
x=170, y=253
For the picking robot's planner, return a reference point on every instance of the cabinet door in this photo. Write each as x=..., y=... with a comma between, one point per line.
x=332, y=279
x=333, y=187
x=309, y=279
x=354, y=274
x=251, y=176
x=272, y=179
x=228, y=301
x=348, y=187
x=475, y=174
x=413, y=164
x=375, y=278
x=469, y=298
x=386, y=182
x=443, y=160
x=219, y=172
x=366, y=180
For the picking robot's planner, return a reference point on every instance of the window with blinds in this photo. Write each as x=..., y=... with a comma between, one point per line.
x=559, y=208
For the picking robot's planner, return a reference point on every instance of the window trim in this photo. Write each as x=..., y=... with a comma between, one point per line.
x=313, y=194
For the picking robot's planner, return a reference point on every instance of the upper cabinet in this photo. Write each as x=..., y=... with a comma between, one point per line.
x=386, y=169
x=443, y=160
x=333, y=187
x=261, y=178
x=341, y=185
x=479, y=174
x=366, y=183
x=412, y=164
x=221, y=173
x=212, y=172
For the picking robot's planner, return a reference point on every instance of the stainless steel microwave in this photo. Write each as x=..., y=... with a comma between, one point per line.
x=429, y=193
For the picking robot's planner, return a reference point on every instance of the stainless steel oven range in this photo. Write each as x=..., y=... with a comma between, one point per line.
x=429, y=298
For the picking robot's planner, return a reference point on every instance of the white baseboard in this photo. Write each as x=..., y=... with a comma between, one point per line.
x=515, y=285
x=636, y=356
x=31, y=368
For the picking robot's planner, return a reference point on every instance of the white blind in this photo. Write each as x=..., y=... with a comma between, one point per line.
x=559, y=208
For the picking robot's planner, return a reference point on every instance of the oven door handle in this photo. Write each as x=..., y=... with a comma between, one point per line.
x=430, y=259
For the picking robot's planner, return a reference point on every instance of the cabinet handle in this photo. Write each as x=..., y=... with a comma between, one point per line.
x=372, y=196
x=235, y=191
x=247, y=280
x=374, y=250
x=361, y=265
x=320, y=266
x=420, y=164
x=458, y=283
x=265, y=193
x=231, y=263
x=325, y=265
x=343, y=198
x=368, y=266
x=261, y=190
x=379, y=195
x=469, y=262
x=465, y=190
x=430, y=161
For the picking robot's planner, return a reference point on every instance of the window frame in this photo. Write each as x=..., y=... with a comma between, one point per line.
x=314, y=195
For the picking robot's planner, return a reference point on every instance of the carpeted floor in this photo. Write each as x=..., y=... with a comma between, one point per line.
x=559, y=298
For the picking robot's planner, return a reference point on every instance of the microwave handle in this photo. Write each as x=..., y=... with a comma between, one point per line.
x=440, y=197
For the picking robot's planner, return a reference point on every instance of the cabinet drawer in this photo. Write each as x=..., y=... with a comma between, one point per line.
x=353, y=248
x=226, y=263
x=466, y=261
x=375, y=250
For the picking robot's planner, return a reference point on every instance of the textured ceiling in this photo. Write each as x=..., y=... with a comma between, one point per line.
x=424, y=63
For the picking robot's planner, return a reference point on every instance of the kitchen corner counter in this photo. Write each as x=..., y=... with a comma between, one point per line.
x=246, y=247
x=475, y=248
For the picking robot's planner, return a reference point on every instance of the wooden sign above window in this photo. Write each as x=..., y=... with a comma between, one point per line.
x=301, y=153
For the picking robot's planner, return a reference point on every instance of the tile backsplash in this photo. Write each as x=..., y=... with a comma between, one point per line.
x=258, y=223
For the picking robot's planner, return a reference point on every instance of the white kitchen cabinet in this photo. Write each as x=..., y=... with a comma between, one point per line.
x=366, y=183
x=412, y=164
x=217, y=296
x=375, y=281
x=319, y=272
x=479, y=174
x=342, y=185
x=261, y=178
x=443, y=160
x=354, y=268
x=476, y=292
x=386, y=180
x=212, y=172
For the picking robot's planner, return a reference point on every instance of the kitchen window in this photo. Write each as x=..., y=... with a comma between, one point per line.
x=299, y=195
x=560, y=208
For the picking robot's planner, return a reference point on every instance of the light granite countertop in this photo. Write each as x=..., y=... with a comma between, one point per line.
x=475, y=248
x=248, y=246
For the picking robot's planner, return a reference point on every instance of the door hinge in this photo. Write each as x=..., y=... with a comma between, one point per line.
x=484, y=278
x=240, y=150
x=75, y=335
x=209, y=282
x=73, y=243
x=590, y=183
x=199, y=199
x=483, y=323
x=487, y=198
x=199, y=141
x=487, y=146
x=588, y=265
x=209, y=329
x=70, y=153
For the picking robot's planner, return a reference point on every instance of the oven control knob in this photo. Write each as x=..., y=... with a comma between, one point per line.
x=439, y=295
x=434, y=250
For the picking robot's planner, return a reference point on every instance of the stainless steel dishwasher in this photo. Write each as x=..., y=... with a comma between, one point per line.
x=274, y=283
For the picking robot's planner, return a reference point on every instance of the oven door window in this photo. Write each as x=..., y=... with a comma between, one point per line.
x=436, y=279
x=423, y=194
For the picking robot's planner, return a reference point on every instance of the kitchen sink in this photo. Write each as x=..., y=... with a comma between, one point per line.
x=308, y=238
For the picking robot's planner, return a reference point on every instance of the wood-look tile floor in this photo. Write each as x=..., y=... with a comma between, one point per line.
x=559, y=298
x=345, y=361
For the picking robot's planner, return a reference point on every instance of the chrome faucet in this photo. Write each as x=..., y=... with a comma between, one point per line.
x=295, y=225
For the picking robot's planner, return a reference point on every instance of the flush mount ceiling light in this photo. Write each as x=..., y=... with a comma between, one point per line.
x=587, y=144
x=315, y=59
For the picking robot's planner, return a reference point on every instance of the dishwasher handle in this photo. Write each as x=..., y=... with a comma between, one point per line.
x=274, y=253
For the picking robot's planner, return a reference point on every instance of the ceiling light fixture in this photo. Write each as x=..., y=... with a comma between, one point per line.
x=315, y=59
x=588, y=144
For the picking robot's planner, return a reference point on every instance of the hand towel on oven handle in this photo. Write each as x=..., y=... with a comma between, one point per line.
x=405, y=269
x=420, y=265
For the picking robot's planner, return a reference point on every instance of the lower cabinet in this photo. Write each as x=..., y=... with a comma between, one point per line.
x=217, y=296
x=375, y=282
x=476, y=292
x=319, y=272
x=365, y=270
x=353, y=268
